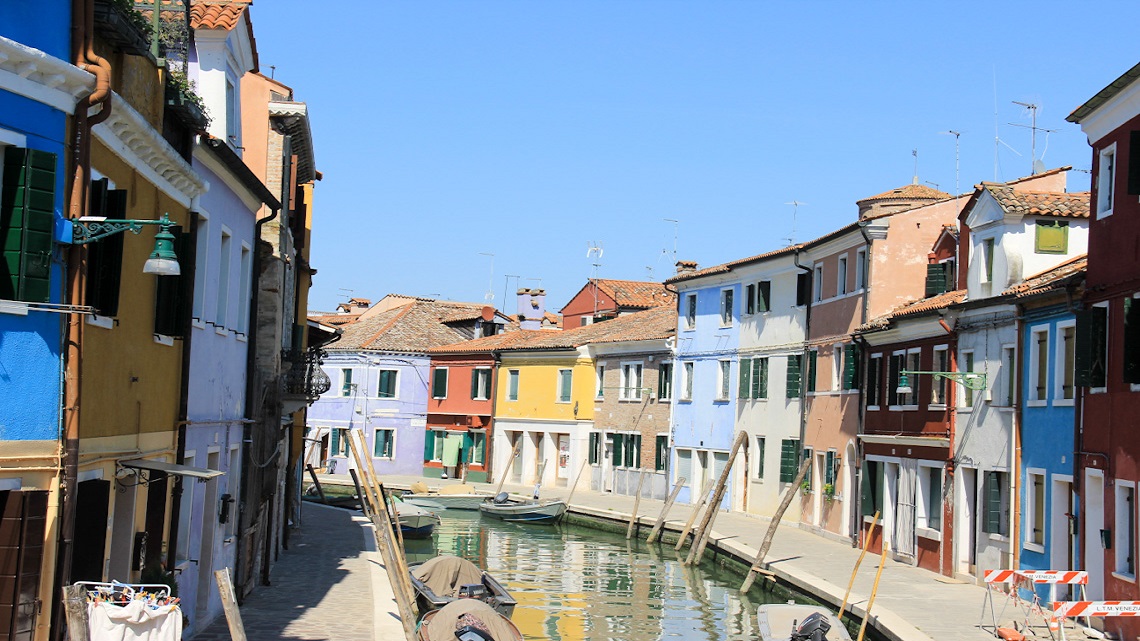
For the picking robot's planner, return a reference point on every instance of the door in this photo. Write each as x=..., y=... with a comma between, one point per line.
x=608, y=465
x=539, y=456
x=89, y=548
x=1061, y=530
x=516, y=464
x=563, y=468
x=23, y=516
x=966, y=536
x=122, y=531
x=206, y=581
x=720, y=461
x=904, y=523
x=1094, y=521
x=701, y=472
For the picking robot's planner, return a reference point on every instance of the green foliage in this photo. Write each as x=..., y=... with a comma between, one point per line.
x=127, y=8
x=178, y=82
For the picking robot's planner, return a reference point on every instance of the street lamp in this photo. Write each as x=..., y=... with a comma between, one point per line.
x=162, y=261
x=973, y=380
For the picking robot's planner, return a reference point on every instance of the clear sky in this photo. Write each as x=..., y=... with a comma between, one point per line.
x=533, y=130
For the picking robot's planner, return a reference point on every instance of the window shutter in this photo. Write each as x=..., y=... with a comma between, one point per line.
x=935, y=279
x=750, y=299
x=789, y=453
x=1131, y=340
x=618, y=438
x=1051, y=236
x=793, y=390
x=439, y=383
x=866, y=491
x=760, y=378
x=745, y=378
x=168, y=299
x=27, y=219
x=762, y=304
x=104, y=272
x=334, y=442
x=850, y=366
x=474, y=383
x=429, y=445
x=803, y=288
x=811, y=372
x=637, y=451
x=829, y=470
x=760, y=457
x=1090, y=348
x=593, y=448
x=1134, y=163
x=993, y=503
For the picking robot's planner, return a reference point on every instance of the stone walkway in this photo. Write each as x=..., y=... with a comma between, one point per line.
x=322, y=587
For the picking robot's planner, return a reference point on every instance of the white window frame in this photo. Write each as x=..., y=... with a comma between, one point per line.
x=963, y=390
x=201, y=269
x=837, y=368
x=395, y=384
x=947, y=386
x=1007, y=386
x=347, y=387
x=1039, y=475
x=1032, y=400
x=599, y=381
x=906, y=354
x=690, y=311
x=860, y=269
x=222, y=308
x=688, y=373
x=392, y=441
x=1106, y=182
x=680, y=473
x=817, y=283
x=1120, y=530
x=724, y=380
x=245, y=267
x=922, y=503
x=513, y=376
x=1059, y=364
x=562, y=386
x=632, y=390
x=727, y=303
x=439, y=436
x=672, y=383
x=879, y=381
x=475, y=435
x=841, y=277
x=446, y=386
x=475, y=372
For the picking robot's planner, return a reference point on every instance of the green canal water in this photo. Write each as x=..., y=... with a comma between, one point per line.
x=574, y=582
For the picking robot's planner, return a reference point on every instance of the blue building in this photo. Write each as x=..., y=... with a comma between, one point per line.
x=704, y=413
x=1048, y=343
x=39, y=90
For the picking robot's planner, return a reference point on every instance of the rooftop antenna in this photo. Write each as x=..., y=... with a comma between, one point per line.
x=594, y=248
x=272, y=71
x=490, y=295
x=507, y=288
x=1036, y=166
x=348, y=292
x=957, y=136
x=914, y=180
x=932, y=184
x=649, y=272
x=675, y=222
x=795, y=209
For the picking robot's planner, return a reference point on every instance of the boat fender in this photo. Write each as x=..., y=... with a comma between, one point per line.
x=501, y=498
x=1009, y=634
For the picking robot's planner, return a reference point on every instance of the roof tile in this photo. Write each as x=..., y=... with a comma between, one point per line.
x=1040, y=203
x=636, y=293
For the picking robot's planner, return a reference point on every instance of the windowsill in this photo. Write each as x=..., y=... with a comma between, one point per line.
x=562, y=402
x=240, y=337
x=927, y=533
x=1005, y=408
x=903, y=408
x=757, y=481
x=937, y=406
x=439, y=398
x=1097, y=390
x=229, y=540
x=197, y=322
x=162, y=339
x=1131, y=578
x=1104, y=214
x=728, y=326
x=220, y=330
x=721, y=400
x=872, y=408
x=1068, y=402
x=629, y=400
x=1036, y=403
x=690, y=329
x=1034, y=547
x=512, y=400
x=966, y=409
x=1000, y=538
x=869, y=519
x=1135, y=387
x=685, y=400
x=106, y=322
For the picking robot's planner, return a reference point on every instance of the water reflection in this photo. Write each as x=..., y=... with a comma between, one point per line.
x=574, y=583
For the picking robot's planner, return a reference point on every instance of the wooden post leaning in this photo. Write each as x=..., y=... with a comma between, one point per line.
x=514, y=453
x=656, y=531
x=75, y=611
x=784, y=503
x=851, y=583
x=388, y=553
x=229, y=603
x=317, y=483
x=693, y=516
x=699, y=539
x=392, y=520
x=574, y=487
x=874, y=591
x=636, y=503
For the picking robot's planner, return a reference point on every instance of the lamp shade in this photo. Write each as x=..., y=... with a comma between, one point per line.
x=904, y=385
x=163, y=261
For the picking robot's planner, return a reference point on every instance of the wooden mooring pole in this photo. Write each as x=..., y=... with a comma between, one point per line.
x=656, y=531
x=851, y=583
x=695, y=513
x=507, y=466
x=636, y=503
x=784, y=503
x=874, y=591
x=229, y=603
x=700, y=539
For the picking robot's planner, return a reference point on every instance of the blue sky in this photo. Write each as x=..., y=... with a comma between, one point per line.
x=532, y=130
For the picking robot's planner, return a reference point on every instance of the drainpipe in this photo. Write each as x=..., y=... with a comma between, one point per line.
x=1015, y=453
x=83, y=50
x=804, y=356
x=488, y=456
x=856, y=518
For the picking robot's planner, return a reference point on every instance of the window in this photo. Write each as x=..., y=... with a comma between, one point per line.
x=1105, y=181
x=685, y=466
x=105, y=256
x=912, y=364
x=599, y=382
x=940, y=387
x=687, y=381
x=633, y=451
x=803, y=287
x=512, y=385
x=382, y=446
x=439, y=382
x=565, y=380
x=841, y=277
x=967, y=365
x=231, y=113
x=631, y=381
x=387, y=385
x=169, y=304
x=871, y=488
x=817, y=284
x=874, y=378
x=338, y=441
x=760, y=443
x=861, y=269
x=759, y=378
x=745, y=379
x=1008, y=375
x=27, y=220
x=939, y=278
x=836, y=366
x=434, y=445
x=789, y=459
x=1132, y=323
x=812, y=369
x=221, y=312
x=901, y=361
x=346, y=386
x=1052, y=237
x=986, y=275
x=481, y=383
x=807, y=482
x=595, y=447
x=661, y=452
x=478, y=447
x=585, y=320
x=794, y=367
x=202, y=264
x=724, y=376
x=665, y=382
x=830, y=467
x=691, y=311
x=1035, y=509
x=245, y=265
x=1065, y=361
x=1092, y=346
x=850, y=373
x=1039, y=365
x=764, y=296
x=995, y=488
x=726, y=307
x=750, y=299
x=930, y=495
x=1125, y=528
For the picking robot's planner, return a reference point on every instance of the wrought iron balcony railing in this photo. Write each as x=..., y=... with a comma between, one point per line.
x=304, y=376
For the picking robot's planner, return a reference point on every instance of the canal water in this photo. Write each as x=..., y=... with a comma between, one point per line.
x=575, y=583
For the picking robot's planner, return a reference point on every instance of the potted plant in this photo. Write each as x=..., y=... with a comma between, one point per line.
x=183, y=102
x=828, y=492
x=805, y=485
x=122, y=26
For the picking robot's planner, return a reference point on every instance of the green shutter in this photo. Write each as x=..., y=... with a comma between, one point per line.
x=992, y=523
x=850, y=366
x=334, y=442
x=789, y=459
x=793, y=386
x=745, y=378
x=1052, y=237
x=829, y=469
x=760, y=445
x=866, y=494
x=1134, y=163
x=1131, y=340
x=593, y=448
x=27, y=218
x=935, y=279
x=439, y=383
x=468, y=444
x=762, y=303
x=811, y=372
x=474, y=383
x=807, y=456
x=760, y=378
x=429, y=445
x=1091, y=347
x=169, y=301
x=617, y=454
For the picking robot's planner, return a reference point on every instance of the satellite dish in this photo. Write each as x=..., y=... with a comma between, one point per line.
x=1038, y=167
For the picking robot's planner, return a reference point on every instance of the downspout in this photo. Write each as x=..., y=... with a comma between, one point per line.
x=804, y=353
x=856, y=519
x=83, y=50
x=497, y=375
x=952, y=429
x=1015, y=452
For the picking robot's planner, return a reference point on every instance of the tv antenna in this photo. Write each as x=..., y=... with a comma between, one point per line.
x=675, y=223
x=914, y=180
x=932, y=184
x=1036, y=166
x=795, y=209
x=348, y=292
x=998, y=142
x=957, y=136
x=507, y=288
x=490, y=295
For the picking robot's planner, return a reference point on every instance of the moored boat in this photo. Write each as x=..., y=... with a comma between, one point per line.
x=448, y=497
x=467, y=620
x=415, y=521
x=446, y=578
x=523, y=510
x=792, y=622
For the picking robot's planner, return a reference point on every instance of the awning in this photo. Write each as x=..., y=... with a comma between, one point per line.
x=200, y=473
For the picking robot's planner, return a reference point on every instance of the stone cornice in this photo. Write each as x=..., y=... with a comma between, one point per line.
x=132, y=138
x=34, y=74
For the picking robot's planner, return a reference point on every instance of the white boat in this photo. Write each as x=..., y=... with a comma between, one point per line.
x=415, y=521
x=448, y=497
x=791, y=622
x=523, y=510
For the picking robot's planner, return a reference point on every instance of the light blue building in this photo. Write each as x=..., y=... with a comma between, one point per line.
x=705, y=375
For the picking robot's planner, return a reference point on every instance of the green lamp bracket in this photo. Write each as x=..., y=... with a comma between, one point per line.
x=973, y=380
x=91, y=228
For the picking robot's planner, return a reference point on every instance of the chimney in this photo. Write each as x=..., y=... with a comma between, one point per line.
x=686, y=266
x=531, y=308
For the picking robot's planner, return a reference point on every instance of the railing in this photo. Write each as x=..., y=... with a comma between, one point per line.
x=304, y=376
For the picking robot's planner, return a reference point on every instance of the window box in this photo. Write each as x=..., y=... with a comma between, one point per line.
x=117, y=22
x=183, y=103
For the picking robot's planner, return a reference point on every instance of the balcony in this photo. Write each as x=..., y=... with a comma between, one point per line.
x=302, y=377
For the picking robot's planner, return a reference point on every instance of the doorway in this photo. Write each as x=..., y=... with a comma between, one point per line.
x=1060, y=529
x=91, y=504
x=967, y=527
x=608, y=465
x=122, y=531
x=516, y=464
x=206, y=583
x=1094, y=521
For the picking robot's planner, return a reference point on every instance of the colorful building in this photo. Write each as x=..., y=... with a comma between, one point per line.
x=604, y=298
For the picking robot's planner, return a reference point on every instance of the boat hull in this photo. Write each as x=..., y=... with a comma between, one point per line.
x=499, y=598
x=775, y=621
x=446, y=501
x=543, y=512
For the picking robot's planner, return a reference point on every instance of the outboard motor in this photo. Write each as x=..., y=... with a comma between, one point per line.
x=813, y=628
x=502, y=498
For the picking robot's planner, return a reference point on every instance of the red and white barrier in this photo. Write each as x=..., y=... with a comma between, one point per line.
x=1061, y=577
x=1069, y=609
x=999, y=576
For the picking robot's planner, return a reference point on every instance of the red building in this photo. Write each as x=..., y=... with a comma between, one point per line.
x=1108, y=350
x=603, y=298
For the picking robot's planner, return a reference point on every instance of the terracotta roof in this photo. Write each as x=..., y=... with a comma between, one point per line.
x=915, y=308
x=727, y=267
x=1051, y=280
x=415, y=327
x=909, y=192
x=1040, y=203
x=635, y=293
x=335, y=320
x=223, y=14
x=1104, y=95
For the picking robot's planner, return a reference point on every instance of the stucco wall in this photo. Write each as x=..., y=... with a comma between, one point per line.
x=898, y=262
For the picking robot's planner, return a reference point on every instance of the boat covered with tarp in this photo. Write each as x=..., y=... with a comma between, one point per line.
x=445, y=578
x=467, y=620
x=449, y=497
